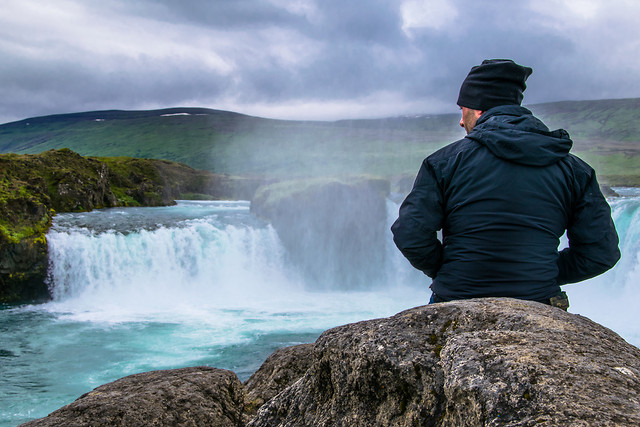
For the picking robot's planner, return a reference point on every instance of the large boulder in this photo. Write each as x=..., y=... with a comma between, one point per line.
x=466, y=363
x=334, y=230
x=483, y=362
x=199, y=396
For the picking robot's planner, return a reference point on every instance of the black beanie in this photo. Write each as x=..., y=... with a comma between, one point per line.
x=494, y=82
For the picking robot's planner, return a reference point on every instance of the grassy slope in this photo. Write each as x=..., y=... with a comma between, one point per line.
x=232, y=143
x=605, y=134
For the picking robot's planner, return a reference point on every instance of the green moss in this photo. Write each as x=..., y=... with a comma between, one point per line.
x=433, y=339
x=438, y=349
x=34, y=187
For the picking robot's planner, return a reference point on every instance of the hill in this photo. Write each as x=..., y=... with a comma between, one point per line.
x=605, y=133
x=232, y=143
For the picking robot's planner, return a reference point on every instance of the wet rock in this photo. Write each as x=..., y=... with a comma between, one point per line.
x=23, y=269
x=465, y=363
x=199, y=396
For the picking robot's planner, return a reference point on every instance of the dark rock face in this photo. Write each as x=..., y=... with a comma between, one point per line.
x=284, y=367
x=332, y=230
x=23, y=268
x=200, y=396
x=77, y=183
x=466, y=363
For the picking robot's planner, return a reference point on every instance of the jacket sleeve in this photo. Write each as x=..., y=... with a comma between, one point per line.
x=593, y=240
x=420, y=217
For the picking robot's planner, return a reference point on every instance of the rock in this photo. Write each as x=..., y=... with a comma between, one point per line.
x=607, y=191
x=76, y=183
x=199, y=396
x=23, y=269
x=333, y=230
x=465, y=363
x=482, y=362
x=281, y=369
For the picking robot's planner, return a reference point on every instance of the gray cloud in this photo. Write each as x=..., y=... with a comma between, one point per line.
x=304, y=59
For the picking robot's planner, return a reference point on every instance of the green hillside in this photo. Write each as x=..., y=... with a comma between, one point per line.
x=605, y=133
x=232, y=143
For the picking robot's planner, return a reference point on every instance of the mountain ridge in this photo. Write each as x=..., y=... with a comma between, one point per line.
x=605, y=133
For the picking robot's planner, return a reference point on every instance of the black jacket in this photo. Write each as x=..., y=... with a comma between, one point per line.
x=503, y=196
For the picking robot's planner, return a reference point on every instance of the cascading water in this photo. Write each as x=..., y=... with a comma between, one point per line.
x=612, y=299
x=118, y=275
x=206, y=283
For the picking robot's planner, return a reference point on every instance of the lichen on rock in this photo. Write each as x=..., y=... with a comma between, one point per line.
x=466, y=363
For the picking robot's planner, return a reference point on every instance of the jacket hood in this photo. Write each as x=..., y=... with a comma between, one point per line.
x=511, y=132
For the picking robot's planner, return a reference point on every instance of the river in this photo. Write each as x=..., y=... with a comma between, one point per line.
x=207, y=283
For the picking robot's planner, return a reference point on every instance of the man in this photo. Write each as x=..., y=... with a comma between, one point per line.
x=503, y=196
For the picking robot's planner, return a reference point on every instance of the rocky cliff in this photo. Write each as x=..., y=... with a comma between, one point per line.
x=484, y=362
x=333, y=229
x=34, y=187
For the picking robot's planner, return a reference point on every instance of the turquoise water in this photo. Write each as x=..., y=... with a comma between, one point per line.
x=206, y=283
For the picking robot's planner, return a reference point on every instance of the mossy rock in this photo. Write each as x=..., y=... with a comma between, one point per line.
x=33, y=187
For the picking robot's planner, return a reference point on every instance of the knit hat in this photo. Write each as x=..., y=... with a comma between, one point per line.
x=492, y=83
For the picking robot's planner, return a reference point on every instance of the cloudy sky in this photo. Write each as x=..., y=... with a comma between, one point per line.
x=305, y=59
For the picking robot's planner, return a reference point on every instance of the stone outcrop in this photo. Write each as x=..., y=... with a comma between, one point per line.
x=484, y=362
x=23, y=269
x=199, y=396
x=333, y=230
x=467, y=363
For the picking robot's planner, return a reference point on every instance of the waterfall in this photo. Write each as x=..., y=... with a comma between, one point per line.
x=139, y=289
x=612, y=298
x=229, y=260
x=141, y=263
x=208, y=262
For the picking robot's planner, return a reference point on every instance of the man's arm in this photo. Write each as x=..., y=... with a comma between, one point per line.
x=593, y=240
x=421, y=216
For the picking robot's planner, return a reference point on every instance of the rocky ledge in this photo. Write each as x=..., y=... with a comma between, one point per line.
x=34, y=187
x=481, y=362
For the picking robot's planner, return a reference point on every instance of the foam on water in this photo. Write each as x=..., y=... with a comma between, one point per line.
x=201, y=283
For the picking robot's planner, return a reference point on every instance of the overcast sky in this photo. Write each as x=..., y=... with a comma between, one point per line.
x=305, y=59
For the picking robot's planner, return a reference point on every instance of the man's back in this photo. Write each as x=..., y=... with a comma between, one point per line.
x=503, y=196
